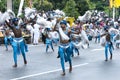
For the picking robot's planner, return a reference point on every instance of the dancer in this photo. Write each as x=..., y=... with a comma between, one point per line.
x=74, y=37
x=48, y=39
x=108, y=45
x=7, y=39
x=18, y=43
x=36, y=33
x=64, y=47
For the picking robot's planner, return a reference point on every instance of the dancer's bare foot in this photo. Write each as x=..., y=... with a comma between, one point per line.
x=106, y=59
x=6, y=49
x=110, y=57
x=58, y=56
x=25, y=62
x=53, y=50
x=15, y=65
x=70, y=69
x=63, y=74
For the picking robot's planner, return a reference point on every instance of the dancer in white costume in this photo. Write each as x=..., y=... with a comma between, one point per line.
x=36, y=32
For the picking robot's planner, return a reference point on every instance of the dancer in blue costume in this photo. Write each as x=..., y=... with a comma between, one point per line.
x=64, y=48
x=18, y=43
x=108, y=45
x=7, y=39
x=48, y=39
x=74, y=38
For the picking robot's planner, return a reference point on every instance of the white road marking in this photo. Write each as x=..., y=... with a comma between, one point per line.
x=31, y=45
x=38, y=74
x=98, y=49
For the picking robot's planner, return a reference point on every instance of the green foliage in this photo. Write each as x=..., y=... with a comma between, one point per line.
x=16, y=4
x=82, y=6
x=99, y=4
x=100, y=7
x=47, y=5
x=42, y=5
x=37, y=4
x=21, y=16
x=70, y=9
x=91, y=5
x=58, y=4
x=3, y=5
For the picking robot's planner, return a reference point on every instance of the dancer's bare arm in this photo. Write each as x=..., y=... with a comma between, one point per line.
x=9, y=25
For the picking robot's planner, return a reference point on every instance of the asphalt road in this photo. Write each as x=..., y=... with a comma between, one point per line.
x=90, y=65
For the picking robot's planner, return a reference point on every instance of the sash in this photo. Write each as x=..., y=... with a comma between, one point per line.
x=65, y=46
x=17, y=42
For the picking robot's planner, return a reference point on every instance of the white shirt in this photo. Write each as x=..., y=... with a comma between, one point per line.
x=36, y=26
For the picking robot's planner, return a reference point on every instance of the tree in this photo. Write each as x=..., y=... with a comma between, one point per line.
x=100, y=7
x=91, y=5
x=16, y=4
x=58, y=4
x=3, y=5
x=82, y=6
x=70, y=9
x=47, y=5
x=42, y=5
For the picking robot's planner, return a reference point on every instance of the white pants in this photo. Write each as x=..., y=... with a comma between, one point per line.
x=36, y=37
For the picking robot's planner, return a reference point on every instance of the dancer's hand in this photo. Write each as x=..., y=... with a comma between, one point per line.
x=58, y=20
x=69, y=30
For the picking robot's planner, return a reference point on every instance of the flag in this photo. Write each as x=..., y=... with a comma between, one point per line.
x=111, y=3
x=116, y=3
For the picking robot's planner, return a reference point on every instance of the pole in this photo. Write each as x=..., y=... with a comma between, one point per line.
x=109, y=12
x=42, y=4
x=12, y=5
x=119, y=12
x=20, y=8
x=9, y=4
x=113, y=13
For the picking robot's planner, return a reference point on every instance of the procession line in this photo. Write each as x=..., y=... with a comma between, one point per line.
x=56, y=70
